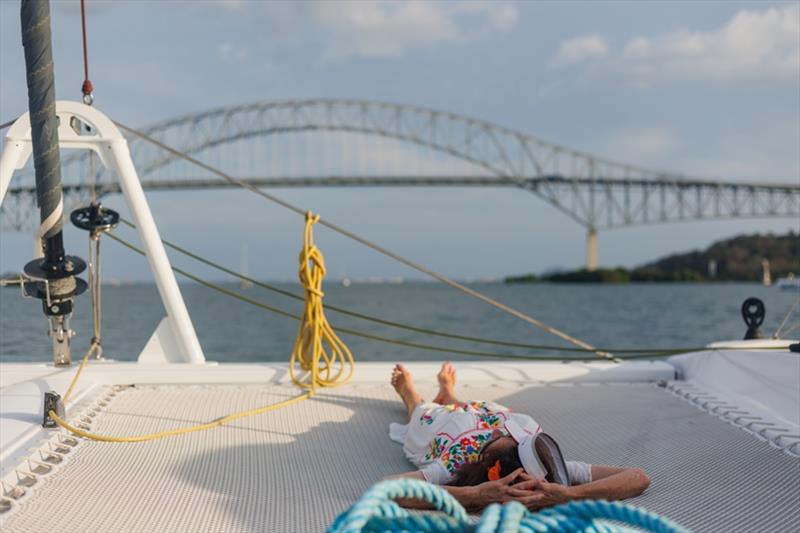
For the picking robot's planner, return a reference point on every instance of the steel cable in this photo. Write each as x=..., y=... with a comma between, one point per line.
x=380, y=249
x=399, y=325
x=638, y=354
x=777, y=333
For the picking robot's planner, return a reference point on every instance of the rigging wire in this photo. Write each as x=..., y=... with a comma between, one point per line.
x=314, y=330
x=633, y=354
x=651, y=351
x=417, y=329
x=94, y=237
x=95, y=288
x=531, y=357
x=92, y=177
x=308, y=352
x=791, y=329
x=380, y=249
x=777, y=333
x=87, y=88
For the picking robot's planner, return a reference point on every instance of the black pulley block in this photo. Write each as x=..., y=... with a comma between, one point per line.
x=753, y=312
x=95, y=218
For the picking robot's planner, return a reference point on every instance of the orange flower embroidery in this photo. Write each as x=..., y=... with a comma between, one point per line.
x=494, y=472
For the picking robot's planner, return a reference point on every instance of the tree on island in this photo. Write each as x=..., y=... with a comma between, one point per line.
x=736, y=259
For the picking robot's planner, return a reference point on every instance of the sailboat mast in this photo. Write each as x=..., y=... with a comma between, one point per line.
x=54, y=274
x=35, y=17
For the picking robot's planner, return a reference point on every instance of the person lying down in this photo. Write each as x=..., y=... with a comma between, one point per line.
x=483, y=453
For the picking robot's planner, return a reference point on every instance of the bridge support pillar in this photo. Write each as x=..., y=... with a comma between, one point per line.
x=591, y=250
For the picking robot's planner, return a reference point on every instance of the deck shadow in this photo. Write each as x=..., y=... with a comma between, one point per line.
x=303, y=484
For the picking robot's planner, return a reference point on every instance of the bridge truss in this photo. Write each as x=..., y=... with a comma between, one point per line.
x=597, y=193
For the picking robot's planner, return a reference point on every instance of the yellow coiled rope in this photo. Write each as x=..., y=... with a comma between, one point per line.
x=323, y=368
x=318, y=351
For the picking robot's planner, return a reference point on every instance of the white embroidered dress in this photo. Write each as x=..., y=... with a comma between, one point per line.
x=439, y=439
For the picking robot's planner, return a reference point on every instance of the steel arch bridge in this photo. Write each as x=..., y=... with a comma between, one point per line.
x=595, y=192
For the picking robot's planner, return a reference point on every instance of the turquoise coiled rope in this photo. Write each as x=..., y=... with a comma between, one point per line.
x=377, y=511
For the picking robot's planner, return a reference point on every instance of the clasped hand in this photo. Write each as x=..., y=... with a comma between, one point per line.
x=519, y=486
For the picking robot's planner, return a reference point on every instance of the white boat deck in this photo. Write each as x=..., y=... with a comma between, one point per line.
x=296, y=468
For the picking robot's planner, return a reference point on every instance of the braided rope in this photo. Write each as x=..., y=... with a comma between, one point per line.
x=314, y=334
x=318, y=351
x=376, y=511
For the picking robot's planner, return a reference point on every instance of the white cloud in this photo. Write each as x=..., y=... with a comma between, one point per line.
x=390, y=29
x=638, y=48
x=503, y=18
x=751, y=44
x=578, y=50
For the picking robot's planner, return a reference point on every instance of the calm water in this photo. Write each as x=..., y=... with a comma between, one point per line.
x=622, y=316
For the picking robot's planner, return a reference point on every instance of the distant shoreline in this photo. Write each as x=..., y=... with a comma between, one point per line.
x=745, y=258
x=580, y=277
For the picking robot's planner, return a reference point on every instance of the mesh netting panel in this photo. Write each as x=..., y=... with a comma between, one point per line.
x=295, y=469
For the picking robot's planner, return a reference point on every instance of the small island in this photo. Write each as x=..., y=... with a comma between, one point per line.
x=741, y=258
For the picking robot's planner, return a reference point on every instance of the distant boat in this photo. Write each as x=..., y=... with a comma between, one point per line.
x=789, y=283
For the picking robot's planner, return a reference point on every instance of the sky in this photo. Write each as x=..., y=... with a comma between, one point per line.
x=708, y=89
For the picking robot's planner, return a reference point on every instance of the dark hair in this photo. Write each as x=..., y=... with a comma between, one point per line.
x=478, y=472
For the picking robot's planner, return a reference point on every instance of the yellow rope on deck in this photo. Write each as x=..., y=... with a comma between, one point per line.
x=169, y=433
x=323, y=367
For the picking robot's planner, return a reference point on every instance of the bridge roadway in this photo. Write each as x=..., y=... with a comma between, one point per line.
x=610, y=202
x=420, y=181
x=595, y=192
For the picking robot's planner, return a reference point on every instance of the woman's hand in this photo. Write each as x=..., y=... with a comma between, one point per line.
x=610, y=483
x=541, y=494
x=515, y=486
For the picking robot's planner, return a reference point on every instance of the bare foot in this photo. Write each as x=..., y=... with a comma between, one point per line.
x=404, y=385
x=447, y=384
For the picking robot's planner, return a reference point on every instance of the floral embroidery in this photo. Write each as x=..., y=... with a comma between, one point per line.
x=489, y=421
x=455, y=451
x=467, y=407
x=438, y=446
x=465, y=450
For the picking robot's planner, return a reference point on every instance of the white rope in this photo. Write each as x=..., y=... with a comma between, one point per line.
x=53, y=219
